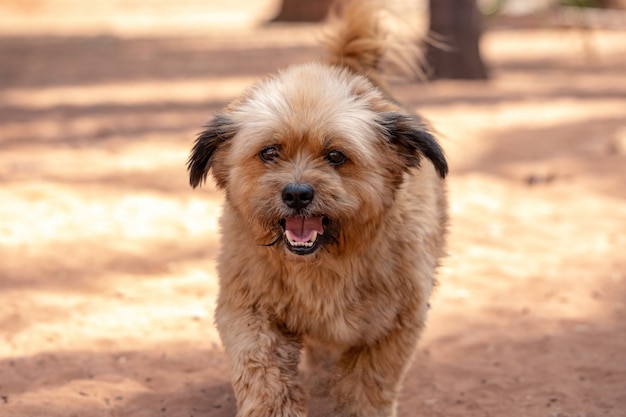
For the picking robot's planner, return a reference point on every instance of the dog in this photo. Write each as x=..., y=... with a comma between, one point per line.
x=333, y=226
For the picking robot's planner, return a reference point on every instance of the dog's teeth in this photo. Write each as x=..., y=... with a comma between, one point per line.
x=295, y=243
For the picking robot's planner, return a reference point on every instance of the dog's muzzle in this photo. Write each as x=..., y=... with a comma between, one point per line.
x=301, y=233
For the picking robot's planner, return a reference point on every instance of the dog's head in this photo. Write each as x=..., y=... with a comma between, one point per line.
x=312, y=157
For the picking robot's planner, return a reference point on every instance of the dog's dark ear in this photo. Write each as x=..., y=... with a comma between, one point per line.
x=217, y=132
x=412, y=139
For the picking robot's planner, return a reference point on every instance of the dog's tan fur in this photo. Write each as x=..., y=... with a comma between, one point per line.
x=362, y=296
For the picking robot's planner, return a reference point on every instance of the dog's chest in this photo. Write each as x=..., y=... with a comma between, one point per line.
x=335, y=309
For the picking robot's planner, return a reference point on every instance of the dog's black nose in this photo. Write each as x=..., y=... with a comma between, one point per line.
x=298, y=196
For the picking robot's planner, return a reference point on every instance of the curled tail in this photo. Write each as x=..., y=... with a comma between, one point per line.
x=360, y=39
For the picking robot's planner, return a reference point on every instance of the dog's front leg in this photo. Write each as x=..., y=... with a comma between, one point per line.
x=264, y=364
x=368, y=376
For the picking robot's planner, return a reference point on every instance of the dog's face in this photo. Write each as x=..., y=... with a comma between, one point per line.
x=311, y=157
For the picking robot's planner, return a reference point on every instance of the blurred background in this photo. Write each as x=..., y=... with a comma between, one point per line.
x=107, y=257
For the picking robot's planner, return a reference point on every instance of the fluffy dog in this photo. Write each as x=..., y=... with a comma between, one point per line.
x=333, y=226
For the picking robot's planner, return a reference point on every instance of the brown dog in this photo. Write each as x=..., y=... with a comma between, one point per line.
x=333, y=226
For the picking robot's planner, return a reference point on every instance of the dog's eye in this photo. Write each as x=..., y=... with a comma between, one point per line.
x=270, y=154
x=336, y=157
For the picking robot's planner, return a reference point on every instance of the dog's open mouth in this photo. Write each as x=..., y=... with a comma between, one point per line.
x=302, y=234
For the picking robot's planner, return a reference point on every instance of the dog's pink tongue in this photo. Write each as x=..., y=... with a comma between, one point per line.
x=302, y=228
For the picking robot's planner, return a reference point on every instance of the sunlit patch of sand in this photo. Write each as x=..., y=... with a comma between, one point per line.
x=139, y=17
x=116, y=318
x=51, y=213
x=187, y=92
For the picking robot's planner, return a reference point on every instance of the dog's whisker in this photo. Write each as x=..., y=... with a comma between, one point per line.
x=271, y=243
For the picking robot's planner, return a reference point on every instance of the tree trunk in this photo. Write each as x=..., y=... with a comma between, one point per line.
x=457, y=24
x=303, y=10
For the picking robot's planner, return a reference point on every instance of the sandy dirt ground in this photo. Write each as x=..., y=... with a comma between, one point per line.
x=107, y=257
